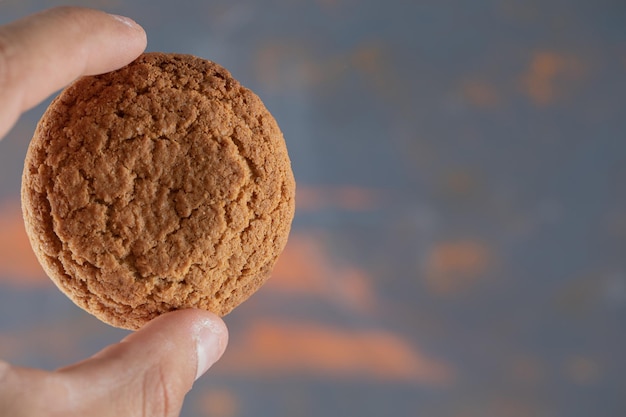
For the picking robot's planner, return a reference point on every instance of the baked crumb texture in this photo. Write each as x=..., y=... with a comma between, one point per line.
x=160, y=186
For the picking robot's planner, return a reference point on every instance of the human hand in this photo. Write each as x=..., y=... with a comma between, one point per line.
x=150, y=371
x=147, y=374
x=42, y=53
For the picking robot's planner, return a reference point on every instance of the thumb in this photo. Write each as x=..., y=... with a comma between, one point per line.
x=150, y=371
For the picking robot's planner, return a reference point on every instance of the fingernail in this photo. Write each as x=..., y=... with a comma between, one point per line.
x=125, y=20
x=211, y=337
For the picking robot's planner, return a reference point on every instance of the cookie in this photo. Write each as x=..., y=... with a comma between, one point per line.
x=160, y=186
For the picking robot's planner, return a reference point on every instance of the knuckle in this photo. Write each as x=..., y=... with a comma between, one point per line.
x=158, y=395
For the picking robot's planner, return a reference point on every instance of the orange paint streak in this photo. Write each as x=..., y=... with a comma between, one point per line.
x=301, y=267
x=461, y=183
x=18, y=264
x=544, y=67
x=216, y=402
x=456, y=266
x=305, y=269
x=279, y=349
x=544, y=80
x=369, y=58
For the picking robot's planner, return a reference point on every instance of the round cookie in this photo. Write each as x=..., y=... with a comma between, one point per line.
x=160, y=186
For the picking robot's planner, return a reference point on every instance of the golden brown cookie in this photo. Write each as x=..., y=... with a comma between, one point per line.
x=160, y=186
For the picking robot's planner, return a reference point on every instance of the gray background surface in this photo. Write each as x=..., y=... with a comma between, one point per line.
x=459, y=243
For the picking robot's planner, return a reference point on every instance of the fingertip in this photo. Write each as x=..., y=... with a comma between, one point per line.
x=156, y=365
x=136, y=32
x=211, y=336
x=130, y=40
x=126, y=21
x=206, y=330
x=45, y=51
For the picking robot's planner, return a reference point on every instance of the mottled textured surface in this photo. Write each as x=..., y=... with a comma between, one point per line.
x=459, y=239
x=160, y=186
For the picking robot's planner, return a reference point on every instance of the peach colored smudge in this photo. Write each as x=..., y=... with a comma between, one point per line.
x=283, y=65
x=455, y=266
x=292, y=64
x=372, y=59
x=547, y=72
x=300, y=348
x=305, y=269
x=461, y=183
x=218, y=402
x=480, y=93
x=18, y=264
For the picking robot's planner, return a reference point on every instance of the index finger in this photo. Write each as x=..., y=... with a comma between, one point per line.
x=44, y=52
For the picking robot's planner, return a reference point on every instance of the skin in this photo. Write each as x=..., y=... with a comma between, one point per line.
x=150, y=371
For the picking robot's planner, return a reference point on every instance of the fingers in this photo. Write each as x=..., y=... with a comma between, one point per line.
x=147, y=374
x=43, y=52
x=150, y=371
x=30, y=392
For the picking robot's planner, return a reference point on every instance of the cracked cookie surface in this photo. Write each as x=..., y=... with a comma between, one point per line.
x=160, y=186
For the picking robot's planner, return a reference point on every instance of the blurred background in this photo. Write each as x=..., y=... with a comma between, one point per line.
x=459, y=246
